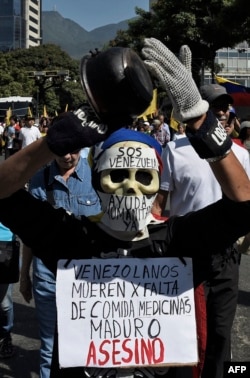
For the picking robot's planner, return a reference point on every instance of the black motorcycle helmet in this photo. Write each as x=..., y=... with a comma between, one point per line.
x=117, y=84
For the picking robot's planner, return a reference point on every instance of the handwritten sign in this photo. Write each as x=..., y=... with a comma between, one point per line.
x=128, y=157
x=126, y=312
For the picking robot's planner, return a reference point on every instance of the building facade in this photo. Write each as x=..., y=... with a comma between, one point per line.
x=234, y=63
x=20, y=24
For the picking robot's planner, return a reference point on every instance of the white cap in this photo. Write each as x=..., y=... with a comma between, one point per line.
x=244, y=124
x=156, y=122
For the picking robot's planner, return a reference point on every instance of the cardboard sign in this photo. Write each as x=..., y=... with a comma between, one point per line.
x=126, y=312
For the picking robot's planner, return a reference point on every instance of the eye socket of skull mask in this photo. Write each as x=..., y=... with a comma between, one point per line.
x=119, y=175
x=130, y=181
x=128, y=168
x=127, y=174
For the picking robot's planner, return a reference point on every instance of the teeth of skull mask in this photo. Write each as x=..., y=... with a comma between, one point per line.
x=129, y=179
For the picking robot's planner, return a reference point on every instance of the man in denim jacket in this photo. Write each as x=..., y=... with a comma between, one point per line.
x=65, y=183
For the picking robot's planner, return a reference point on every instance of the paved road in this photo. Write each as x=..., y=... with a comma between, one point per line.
x=25, y=363
x=241, y=328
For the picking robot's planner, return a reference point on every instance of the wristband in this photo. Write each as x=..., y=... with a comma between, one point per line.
x=210, y=141
x=218, y=158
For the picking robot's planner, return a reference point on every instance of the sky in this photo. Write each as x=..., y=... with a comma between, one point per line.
x=91, y=14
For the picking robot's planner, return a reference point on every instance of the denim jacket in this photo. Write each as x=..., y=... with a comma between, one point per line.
x=77, y=196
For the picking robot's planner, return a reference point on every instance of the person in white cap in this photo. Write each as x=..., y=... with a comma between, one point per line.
x=244, y=134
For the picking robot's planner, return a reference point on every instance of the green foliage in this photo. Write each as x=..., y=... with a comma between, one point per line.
x=204, y=25
x=17, y=67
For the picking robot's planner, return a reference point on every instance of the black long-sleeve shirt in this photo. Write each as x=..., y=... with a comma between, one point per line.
x=198, y=235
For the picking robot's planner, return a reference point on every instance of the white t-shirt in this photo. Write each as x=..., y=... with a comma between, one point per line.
x=29, y=135
x=190, y=179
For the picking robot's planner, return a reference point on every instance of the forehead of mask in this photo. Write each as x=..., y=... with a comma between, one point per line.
x=129, y=168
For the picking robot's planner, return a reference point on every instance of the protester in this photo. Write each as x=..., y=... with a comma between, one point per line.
x=9, y=274
x=141, y=128
x=125, y=230
x=66, y=183
x=29, y=133
x=9, y=137
x=180, y=133
x=159, y=133
x=244, y=135
x=44, y=125
x=191, y=185
x=219, y=101
x=147, y=128
x=165, y=126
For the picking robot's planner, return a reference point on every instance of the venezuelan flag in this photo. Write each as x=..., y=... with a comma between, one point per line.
x=240, y=93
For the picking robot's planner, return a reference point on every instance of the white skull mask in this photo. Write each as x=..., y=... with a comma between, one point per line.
x=129, y=181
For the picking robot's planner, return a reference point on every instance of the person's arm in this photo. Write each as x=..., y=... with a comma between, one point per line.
x=160, y=202
x=232, y=178
x=69, y=132
x=228, y=170
x=20, y=167
x=25, y=287
x=204, y=131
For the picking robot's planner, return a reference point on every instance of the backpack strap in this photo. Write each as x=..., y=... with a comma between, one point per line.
x=48, y=187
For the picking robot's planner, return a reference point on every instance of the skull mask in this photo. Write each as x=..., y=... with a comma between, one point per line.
x=129, y=180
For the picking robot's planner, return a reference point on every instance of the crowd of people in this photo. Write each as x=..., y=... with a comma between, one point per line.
x=16, y=132
x=92, y=202
x=160, y=126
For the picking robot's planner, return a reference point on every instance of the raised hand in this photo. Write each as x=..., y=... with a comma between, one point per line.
x=72, y=131
x=175, y=78
x=185, y=57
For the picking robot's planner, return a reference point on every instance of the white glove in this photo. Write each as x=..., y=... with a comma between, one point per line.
x=185, y=57
x=174, y=77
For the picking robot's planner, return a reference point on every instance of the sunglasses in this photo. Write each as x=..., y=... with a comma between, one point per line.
x=220, y=106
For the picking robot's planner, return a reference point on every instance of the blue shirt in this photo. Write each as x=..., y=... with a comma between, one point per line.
x=5, y=233
x=77, y=196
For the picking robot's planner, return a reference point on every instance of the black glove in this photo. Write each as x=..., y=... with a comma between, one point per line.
x=211, y=142
x=72, y=131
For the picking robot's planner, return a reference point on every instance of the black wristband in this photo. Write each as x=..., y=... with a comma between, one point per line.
x=211, y=140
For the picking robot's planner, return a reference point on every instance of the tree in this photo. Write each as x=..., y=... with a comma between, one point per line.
x=17, y=79
x=204, y=25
